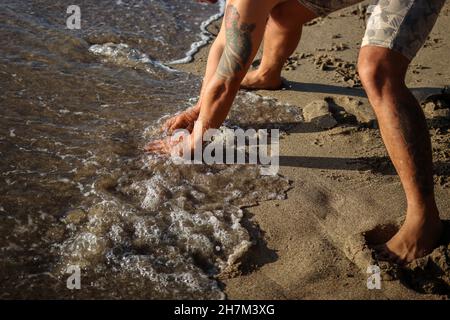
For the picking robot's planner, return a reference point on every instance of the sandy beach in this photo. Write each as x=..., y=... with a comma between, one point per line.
x=344, y=189
x=87, y=213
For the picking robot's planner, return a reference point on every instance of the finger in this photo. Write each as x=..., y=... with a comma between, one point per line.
x=190, y=127
x=153, y=146
x=168, y=124
x=381, y=252
x=178, y=124
x=160, y=147
x=384, y=254
x=172, y=127
x=399, y=261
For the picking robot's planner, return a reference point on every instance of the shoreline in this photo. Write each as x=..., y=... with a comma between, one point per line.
x=343, y=183
x=205, y=37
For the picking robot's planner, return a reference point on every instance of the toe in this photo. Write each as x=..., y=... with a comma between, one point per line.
x=154, y=147
x=381, y=252
x=384, y=254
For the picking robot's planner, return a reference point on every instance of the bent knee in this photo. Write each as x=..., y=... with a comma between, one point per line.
x=378, y=67
x=279, y=18
x=290, y=14
x=373, y=75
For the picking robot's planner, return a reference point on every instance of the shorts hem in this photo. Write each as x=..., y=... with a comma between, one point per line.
x=316, y=11
x=388, y=45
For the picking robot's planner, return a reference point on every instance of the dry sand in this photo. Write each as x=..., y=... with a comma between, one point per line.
x=345, y=192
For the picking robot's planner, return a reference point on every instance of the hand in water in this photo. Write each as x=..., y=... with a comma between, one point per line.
x=182, y=143
x=170, y=146
x=184, y=120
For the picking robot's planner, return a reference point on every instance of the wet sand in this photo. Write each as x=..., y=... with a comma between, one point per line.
x=345, y=193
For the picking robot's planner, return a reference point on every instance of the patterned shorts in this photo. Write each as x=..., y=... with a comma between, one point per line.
x=400, y=25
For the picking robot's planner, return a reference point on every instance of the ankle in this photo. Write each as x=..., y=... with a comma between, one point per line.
x=269, y=72
x=423, y=213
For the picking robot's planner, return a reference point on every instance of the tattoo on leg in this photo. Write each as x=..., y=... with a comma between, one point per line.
x=238, y=47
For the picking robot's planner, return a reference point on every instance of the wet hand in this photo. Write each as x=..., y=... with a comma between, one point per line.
x=171, y=146
x=184, y=120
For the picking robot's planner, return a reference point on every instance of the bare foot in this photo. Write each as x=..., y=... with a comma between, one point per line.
x=255, y=80
x=416, y=238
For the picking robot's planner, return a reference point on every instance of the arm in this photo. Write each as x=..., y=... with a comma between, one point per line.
x=186, y=119
x=244, y=25
x=243, y=30
x=215, y=53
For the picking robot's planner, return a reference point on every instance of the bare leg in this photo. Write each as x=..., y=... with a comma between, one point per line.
x=405, y=134
x=281, y=37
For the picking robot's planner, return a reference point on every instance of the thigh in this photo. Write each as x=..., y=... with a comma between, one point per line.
x=291, y=13
x=325, y=7
x=401, y=25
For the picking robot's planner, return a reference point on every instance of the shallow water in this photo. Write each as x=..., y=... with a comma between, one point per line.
x=76, y=188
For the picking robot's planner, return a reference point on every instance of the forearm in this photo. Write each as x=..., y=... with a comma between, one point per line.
x=214, y=55
x=213, y=60
x=217, y=101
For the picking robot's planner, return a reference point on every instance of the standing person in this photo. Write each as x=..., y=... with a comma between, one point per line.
x=395, y=32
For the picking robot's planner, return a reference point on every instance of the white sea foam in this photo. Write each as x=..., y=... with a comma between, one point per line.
x=123, y=54
x=205, y=36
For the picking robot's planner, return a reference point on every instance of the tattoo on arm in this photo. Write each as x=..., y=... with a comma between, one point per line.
x=238, y=47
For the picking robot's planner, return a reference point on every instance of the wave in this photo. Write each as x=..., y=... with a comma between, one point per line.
x=205, y=36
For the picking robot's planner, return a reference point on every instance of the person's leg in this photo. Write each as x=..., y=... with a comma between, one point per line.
x=405, y=134
x=281, y=37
